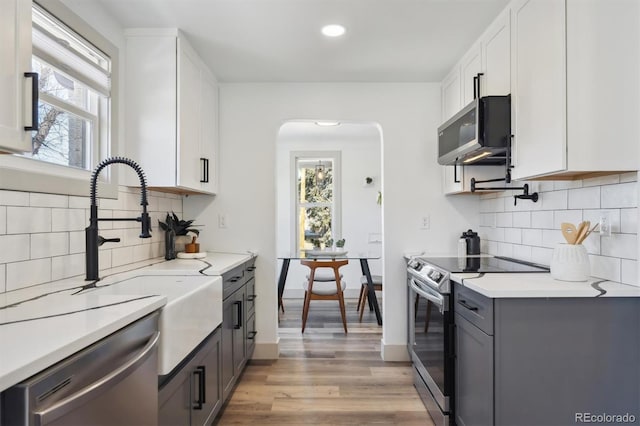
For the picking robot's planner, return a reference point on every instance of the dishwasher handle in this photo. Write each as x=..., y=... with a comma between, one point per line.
x=79, y=398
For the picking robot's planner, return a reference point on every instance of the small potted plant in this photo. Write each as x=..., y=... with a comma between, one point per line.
x=340, y=243
x=175, y=227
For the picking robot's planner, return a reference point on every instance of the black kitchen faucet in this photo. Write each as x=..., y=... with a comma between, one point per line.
x=93, y=240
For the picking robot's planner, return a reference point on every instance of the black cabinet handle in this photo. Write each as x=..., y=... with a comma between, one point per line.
x=252, y=297
x=251, y=335
x=455, y=173
x=476, y=85
x=201, y=374
x=34, y=100
x=251, y=268
x=466, y=305
x=205, y=170
x=238, y=324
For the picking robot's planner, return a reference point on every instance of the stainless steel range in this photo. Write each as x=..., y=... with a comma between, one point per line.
x=431, y=323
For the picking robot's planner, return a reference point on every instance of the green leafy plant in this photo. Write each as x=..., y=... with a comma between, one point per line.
x=179, y=226
x=340, y=243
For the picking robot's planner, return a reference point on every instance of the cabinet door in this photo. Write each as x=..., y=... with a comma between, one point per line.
x=239, y=331
x=189, y=117
x=227, y=369
x=470, y=66
x=539, y=87
x=474, y=375
x=175, y=400
x=209, y=135
x=496, y=57
x=15, y=60
x=452, y=177
x=205, y=383
x=451, y=98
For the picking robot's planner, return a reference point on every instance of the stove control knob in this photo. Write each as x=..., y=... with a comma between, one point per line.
x=436, y=276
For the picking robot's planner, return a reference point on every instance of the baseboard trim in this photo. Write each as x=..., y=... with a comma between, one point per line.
x=267, y=350
x=393, y=352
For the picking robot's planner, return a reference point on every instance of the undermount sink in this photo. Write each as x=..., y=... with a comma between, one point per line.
x=192, y=312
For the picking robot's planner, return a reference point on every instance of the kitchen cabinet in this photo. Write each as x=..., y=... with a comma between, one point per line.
x=574, y=64
x=16, y=89
x=172, y=112
x=238, y=323
x=457, y=179
x=470, y=67
x=510, y=350
x=193, y=395
x=496, y=57
x=450, y=94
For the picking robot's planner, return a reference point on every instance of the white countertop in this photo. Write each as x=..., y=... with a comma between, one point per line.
x=44, y=324
x=541, y=285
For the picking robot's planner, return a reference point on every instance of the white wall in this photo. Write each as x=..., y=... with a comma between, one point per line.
x=360, y=214
x=408, y=113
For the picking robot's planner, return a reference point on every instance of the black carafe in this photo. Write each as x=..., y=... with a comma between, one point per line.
x=473, y=242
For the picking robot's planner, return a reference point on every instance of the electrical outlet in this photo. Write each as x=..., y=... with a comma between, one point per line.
x=425, y=223
x=222, y=221
x=605, y=224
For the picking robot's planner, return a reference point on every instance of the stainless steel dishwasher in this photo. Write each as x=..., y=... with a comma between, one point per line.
x=112, y=382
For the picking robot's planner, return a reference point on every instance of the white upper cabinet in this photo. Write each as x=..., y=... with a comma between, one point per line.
x=171, y=112
x=496, y=57
x=575, y=103
x=470, y=67
x=15, y=88
x=451, y=96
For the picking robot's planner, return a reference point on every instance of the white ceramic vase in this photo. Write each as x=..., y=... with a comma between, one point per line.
x=570, y=262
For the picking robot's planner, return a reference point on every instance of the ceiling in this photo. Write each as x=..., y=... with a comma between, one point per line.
x=280, y=40
x=309, y=131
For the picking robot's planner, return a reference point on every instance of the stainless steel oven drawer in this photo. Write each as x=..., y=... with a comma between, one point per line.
x=473, y=306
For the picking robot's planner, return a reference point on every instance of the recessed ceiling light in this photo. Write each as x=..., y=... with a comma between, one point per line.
x=333, y=30
x=327, y=123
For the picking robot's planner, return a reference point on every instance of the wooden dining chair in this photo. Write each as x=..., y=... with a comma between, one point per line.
x=324, y=290
x=364, y=291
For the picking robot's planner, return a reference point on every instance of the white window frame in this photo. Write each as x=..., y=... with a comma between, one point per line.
x=25, y=174
x=336, y=211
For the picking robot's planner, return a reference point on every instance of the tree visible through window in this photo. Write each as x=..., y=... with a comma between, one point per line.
x=316, y=209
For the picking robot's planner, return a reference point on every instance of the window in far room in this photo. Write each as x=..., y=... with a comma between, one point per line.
x=317, y=203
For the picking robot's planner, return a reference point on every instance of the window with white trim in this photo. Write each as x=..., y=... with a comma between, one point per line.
x=74, y=95
x=317, y=218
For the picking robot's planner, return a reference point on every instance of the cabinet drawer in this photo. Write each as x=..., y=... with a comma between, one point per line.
x=476, y=308
x=233, y=280
x=251, y=335
x=250, y=269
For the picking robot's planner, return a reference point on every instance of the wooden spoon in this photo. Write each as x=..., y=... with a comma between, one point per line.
x=590, y=231
x=569, y=232
x=582, y=232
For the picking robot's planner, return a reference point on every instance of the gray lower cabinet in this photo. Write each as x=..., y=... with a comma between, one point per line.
x=545, y=361
x=238, y=323
x=192, y=396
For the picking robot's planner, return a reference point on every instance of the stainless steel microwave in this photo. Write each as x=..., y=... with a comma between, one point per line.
x=478, y=134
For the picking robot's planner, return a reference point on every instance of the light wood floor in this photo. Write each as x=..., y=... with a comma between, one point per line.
x=325, y=377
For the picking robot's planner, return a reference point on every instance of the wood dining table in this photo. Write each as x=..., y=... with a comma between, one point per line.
x=364, y=266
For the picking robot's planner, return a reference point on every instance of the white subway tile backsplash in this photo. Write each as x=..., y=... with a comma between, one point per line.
x=513, y=235
x=176, y=206
x=569, y=216
x=48, y=200
x=3, y=283
x=592, y=244
x=552, y=237
x=624, y=246
x=493, y=248
x=25, y=274
x=554, y=200
x=104, y=259
x=522, y=219
x=14, y=198
x=505, y=249
x=619, y=196
x=567, y=184
x=110, y=204
x=67, y=266
x=3, y=220
x=532, y=237
x=25, y=220
x=504, y=220
x=77, y=242
x=488, y=219
x=164, y=205
x=14, y=248
x=601, y=180
x=142, y=252
x=542, y=220
x=629, y=273
x=49, y=244
x=628, y=221
x=79, y=202
x=121, y=256
x=68, y=220
x=584, y=198
x=541, y=255
x=607, y=268
x=629, y=177
x=522, y=252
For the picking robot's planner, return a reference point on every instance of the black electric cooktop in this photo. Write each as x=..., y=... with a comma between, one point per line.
x=483, y=264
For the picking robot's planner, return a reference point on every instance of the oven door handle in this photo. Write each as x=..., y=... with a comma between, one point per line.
x=438, y=300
